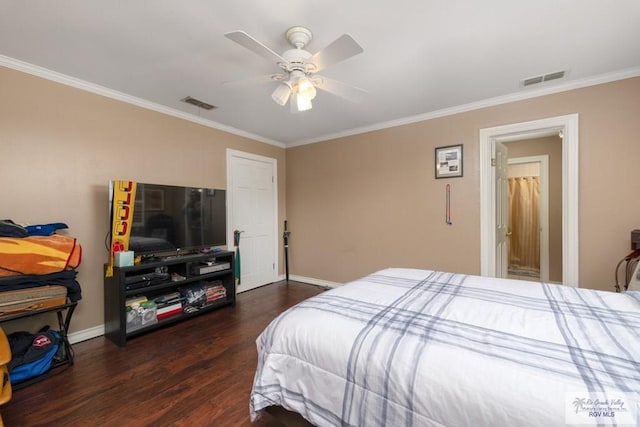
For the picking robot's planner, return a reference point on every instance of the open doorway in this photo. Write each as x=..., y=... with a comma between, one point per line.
x=493, y=255
x=535, y=209
x=525, y=220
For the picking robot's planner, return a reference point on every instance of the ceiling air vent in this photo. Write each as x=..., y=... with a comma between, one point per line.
x=553, y=76
x=532, y=81
x=543, y=78
x=198, y=103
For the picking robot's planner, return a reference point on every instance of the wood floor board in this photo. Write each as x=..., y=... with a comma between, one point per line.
x=193, y=373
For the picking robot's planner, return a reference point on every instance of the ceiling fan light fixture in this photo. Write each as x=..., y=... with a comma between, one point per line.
x=306, y=89
x=303, y=103
x=298, y=81
x=282, y=93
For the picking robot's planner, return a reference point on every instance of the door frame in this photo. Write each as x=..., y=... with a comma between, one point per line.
x=568, y=126
x=543, y=160
x=274, y=167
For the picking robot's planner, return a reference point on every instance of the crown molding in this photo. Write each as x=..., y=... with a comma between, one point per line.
x=491, y=102
x=64, y=79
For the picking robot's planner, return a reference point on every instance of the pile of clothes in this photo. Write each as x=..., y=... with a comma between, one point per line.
x=36, y=255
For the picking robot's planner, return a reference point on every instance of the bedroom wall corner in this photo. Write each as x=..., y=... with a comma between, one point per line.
x=370, y=201
x=61, y=145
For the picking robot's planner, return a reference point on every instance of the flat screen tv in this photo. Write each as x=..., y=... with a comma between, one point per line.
x=174, y=219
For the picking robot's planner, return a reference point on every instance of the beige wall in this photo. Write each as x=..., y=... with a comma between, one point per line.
x=59, y=147
x=370, y=201
x=355, y=204
x=551, y=146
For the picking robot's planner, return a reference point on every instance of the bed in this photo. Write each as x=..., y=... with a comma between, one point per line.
x=408, y=347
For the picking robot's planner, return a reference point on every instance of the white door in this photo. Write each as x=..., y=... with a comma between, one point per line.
x=502, y=209
x=252, y=206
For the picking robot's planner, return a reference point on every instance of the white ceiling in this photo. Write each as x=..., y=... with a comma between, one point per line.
x=421, y=57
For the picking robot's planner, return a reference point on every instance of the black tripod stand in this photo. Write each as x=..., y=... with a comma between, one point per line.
x=285, y=236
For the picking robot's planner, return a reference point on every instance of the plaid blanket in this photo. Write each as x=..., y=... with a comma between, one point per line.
x=405, y=347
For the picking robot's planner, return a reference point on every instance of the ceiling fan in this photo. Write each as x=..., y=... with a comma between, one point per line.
x=298, y=79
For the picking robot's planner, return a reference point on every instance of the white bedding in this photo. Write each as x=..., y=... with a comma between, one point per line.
x=405, y=347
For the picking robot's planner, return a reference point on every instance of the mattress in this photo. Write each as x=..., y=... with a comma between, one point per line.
x=425, y=348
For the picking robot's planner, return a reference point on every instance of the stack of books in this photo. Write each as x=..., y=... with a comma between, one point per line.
x=215, y=291
x=168, y=305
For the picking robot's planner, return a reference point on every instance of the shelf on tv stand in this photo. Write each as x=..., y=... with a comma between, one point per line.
x=171, y=284
x=116, y=292
x=180, y=317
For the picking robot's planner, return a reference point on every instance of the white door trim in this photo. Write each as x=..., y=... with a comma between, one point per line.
x=568, y=125
x=544, y=208
x=274, y=165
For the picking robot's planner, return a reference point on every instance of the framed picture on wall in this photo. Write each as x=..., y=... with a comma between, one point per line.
x=449, y=161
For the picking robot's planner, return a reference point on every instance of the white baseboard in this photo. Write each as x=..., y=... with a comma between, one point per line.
x=86, y=334
x=312, y=281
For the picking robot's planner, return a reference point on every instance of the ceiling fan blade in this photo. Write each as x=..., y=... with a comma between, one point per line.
x=343, y=90
x=342, y=48
x=254, y=80
x=244, y=39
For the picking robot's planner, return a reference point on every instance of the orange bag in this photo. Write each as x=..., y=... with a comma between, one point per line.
x=38, y=254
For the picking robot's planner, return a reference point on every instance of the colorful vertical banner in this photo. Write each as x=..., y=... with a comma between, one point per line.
x=124, y=197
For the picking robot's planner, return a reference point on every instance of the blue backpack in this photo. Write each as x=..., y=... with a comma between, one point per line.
x=31, y=354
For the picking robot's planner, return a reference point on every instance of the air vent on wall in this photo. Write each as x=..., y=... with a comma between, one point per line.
x=543, y=78
x=198, y=103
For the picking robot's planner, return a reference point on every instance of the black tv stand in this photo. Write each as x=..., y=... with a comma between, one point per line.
x=117, y=291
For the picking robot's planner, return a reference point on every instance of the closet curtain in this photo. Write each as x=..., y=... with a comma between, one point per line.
x=524, y=223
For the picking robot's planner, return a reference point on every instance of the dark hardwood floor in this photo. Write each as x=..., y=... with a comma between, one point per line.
x=194, y=373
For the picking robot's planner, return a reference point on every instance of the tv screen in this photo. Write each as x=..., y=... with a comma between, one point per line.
x=168, y=218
